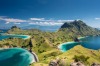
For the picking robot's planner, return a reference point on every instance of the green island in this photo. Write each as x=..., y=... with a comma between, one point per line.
x=45, y=44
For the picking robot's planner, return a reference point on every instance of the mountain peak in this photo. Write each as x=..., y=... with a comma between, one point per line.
x=73, y=23
x=78, y=27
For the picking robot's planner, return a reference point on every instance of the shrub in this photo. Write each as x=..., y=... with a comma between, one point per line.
x=81, y=58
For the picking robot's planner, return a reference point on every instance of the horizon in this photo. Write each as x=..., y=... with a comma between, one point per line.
x=48, y=12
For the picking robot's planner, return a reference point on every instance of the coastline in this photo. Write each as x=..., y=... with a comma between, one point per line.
x=18, y=36
x=70, y=42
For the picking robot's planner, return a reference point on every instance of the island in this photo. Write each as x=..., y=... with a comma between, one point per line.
x=45, y=44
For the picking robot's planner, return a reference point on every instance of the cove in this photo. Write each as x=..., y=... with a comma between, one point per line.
x=91, y=42
x=16, y=57
x=5, y=36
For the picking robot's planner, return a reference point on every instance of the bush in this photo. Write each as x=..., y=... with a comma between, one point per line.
x=81, y=58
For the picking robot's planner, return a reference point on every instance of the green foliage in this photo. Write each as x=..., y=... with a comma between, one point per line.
x=78, y=28
x=45, y=43
x=81, y=58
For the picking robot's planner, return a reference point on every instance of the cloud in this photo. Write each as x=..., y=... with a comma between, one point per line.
x=7, y=23
x=37, y=19
x=65, y=20
x=49, y=22
x=97, y=18
x=8, y=20
x=46, y=23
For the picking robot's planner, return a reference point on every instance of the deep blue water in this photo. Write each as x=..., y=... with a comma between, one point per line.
x=92, y=42
x=15, y=57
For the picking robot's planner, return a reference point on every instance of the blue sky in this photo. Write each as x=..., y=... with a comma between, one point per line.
x=49, y=12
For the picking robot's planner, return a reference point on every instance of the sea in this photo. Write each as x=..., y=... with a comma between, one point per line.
x=90, y=42
x=15, y=56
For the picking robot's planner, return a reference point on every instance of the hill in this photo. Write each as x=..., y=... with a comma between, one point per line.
x=67, y=32
x=78, y=27
x=45, y=43
x=68, y=56
x=43, y=28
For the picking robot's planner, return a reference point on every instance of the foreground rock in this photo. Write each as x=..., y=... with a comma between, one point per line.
x=77, y=64
x=95, y=64
x=58, y=62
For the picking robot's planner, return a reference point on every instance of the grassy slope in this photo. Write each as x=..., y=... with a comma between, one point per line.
x=79, y=50
x=94, y=55
x=45, y=43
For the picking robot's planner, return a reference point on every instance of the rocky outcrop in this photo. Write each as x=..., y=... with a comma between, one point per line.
x=78, y=27
x=76, y=40
x=58, y=62
x=54, y=62
x=77, y=64
x=95, y=64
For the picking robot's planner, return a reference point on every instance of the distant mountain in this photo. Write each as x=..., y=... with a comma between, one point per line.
x=78, y=27
x=68, y=32
x=43, y=28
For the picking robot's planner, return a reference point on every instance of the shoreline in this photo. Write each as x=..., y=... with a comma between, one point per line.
x=16, y=36
x=69, y=42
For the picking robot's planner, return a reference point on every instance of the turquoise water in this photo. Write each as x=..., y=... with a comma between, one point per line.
x=68, y=45
x=15, y=57
x=5, y=36
x=13, y=36
x=92, y=42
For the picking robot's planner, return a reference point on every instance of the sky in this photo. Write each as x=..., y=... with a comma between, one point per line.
x=48, y=12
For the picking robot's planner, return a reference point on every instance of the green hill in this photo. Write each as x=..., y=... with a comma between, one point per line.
x=94, y=56
x=45, y=43
x=78, y=27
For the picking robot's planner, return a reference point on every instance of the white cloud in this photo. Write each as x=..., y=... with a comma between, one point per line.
x=11, y=20
x=97, y=18
x=7, y=23
x=65, y=20
x=35, y=21
x=50, y=22
x=38, y=19
x=46, y=23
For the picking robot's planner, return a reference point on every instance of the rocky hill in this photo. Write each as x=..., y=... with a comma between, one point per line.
x=45, y=43
x=86, y=56
x=78, y=27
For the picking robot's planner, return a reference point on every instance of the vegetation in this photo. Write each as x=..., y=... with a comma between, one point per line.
x=89, y=55
x=44, y=44
x=78, y=28
x=81, y=58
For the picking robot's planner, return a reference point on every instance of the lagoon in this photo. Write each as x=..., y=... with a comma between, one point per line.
x=16, y=57
x=5, y=36
x=91, y=42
